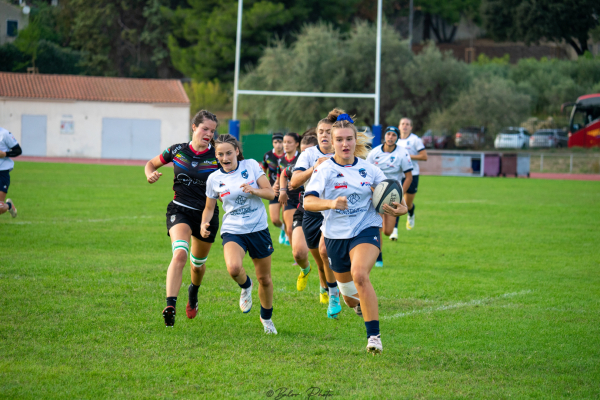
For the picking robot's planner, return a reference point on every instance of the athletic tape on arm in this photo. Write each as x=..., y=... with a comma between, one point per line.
x=180, y=245
x=198, y=262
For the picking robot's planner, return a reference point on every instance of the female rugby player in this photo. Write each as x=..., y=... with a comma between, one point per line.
x=289, y=201
x=395, y=163
x=415, y=147
x=192, y=162
x=312, y=221
x=9, y=148
x=341, y=188
x=270, y=164
x=241, y=185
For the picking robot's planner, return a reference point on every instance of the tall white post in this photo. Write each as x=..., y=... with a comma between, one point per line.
x=238, y=44
x=378, y=63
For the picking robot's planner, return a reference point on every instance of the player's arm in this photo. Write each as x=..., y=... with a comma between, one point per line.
x=422, y=156
x=264, y=191
x=152, y=174
x=283, y=185
x=315, y=204
x=13, y=152
x=207, y=215
x=301, y=175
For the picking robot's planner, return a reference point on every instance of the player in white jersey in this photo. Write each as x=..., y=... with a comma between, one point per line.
x=395, y=163
x=415, y=147
x=312, y=221
x=9, y=148
x=241, y=185
x=341, y=188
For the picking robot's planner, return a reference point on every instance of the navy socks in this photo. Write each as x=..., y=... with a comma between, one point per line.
x=372, y=328
x=246, y=284
x=266, y=314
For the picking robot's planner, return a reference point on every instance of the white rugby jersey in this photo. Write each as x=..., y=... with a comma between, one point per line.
x=331, y=180
x=413, y=144
x=393, y=165
x=7, y=142
x=244, y=212
x=308, y=158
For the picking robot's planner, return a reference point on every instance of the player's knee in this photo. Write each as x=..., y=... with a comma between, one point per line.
x=180, y=249
x=198, y=263
x=349, y=293
x=360, y=278
x=299, y=254
x=234, y=269
x=387, y=231
x=264, y=280
x=351, y=302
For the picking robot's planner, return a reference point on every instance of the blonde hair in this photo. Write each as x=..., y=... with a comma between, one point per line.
x=363, y=140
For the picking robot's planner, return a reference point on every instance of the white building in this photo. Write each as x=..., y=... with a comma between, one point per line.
x=95, y=117
x=12, y=20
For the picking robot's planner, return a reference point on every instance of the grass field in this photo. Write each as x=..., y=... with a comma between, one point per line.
x=494, y=294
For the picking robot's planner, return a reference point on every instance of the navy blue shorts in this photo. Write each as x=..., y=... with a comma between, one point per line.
x=311, y=225
x=4, y=181
x=338, y=250
x=257, y=244
x=412, y=189
x=275, y=200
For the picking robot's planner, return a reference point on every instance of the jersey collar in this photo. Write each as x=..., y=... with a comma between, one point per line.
x=288, y=160
x=230, y=172
x=383, y=148
x=347, y=165
x=321, y=151
x=199, y=153
x=275, y=154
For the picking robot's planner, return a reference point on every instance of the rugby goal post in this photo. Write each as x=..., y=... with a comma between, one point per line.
x=234, y=124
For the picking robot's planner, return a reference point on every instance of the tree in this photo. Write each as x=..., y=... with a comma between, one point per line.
x=202, y=42
x=442, y=15
x=534, y=20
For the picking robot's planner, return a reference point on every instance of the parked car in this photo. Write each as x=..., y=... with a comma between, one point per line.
x=427, y=139
x=470, y=137
x=549, y=138
x=512, y=138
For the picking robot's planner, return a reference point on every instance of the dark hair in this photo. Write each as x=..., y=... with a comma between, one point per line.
x=310, y=132
x=332, y=116
x=294, y=136
x=229, y=139
x=309, y=140
x=202, y=116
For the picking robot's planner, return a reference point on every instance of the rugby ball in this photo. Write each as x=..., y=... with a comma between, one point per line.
x=389, y=191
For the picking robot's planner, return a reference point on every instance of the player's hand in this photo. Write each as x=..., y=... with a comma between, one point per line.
x=320, y=161
x=153, y=177
x=396, y=211
x=204, y=229
x=341, y=203
x=247, y=188
x=283, y=198
x=276, y=186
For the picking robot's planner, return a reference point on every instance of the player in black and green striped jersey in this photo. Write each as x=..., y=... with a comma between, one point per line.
x=270, y=165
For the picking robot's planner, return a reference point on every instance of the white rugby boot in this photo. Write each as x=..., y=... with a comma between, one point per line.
x=269, y=326
x=246, y=299
x=374, y=345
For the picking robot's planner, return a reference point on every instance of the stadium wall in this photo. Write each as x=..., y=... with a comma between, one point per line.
x=75, y=128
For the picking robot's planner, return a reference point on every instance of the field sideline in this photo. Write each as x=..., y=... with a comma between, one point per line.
x=494, y=294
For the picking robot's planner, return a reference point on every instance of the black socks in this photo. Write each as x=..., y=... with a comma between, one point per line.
x=172, y=301
x=411, y=212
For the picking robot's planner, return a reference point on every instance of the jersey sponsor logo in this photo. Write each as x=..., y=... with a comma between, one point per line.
x=365, y=184
x=340, y=175
x=341, y=185
x=240, y=200
x=362, y=172
x=243, y=211
x=353, y=198
x=245, y=174
x=227, y=193
x=351, y=212
x=249, y=183
x=194, y=164
x=187, y=181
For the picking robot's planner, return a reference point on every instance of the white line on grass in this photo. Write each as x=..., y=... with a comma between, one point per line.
x=458, y=305
x=81, y=220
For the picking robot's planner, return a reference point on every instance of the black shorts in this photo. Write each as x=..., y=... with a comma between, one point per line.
x=4, y=181
x=291, y=206
x=338, y=250
x=412, y=189
x=311, y=224
x=177, y=214
x=298, y=215
x=274, y=201
x=256, y=244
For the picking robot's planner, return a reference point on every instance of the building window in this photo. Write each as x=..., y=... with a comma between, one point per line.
x=12, y=28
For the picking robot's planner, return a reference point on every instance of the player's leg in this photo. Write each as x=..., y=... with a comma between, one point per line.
x=274, y=211
x=288, y=223
x=334, y=308
x=262, y=267
x=410, y=198
x=234, y=256
x=348, y=291
x=6, y=205
x=198, y=257
x=3, y=205
x=363, y=257
x=300, y=253
x=180, y=245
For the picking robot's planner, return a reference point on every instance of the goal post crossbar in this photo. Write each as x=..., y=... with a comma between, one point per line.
x=308, y=94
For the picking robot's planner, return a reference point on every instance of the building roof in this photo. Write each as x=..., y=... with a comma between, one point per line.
x=92, y=88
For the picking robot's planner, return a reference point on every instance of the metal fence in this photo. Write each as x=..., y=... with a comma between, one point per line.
x=570, y=163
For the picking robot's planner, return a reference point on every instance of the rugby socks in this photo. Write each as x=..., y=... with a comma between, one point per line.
x=372, y=328
x=322, y=290
x=193, y=293
x=9, y=205
x=266, y=313
x=397, y=219
x=306, y=270
x=380, y=257
x=246, y=284
x=172, y=301
x=333, y=289
x=411, y=212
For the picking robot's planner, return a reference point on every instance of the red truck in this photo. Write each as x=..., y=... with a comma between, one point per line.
x=584, y=125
